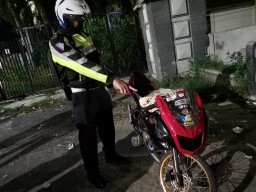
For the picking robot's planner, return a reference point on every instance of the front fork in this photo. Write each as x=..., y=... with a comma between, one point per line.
x=176, y=166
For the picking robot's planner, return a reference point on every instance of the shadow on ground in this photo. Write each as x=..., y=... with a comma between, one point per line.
x=75, y=180
x=36, y=136
x=67, y=173
x=231, y=155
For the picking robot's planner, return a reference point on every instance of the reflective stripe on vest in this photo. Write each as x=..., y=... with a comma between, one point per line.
x=84, y=44
x=78, y=65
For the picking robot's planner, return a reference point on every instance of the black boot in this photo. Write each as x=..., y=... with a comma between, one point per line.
x=97, y=180
x=116, y=159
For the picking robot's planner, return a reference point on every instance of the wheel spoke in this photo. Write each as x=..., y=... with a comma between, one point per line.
x=193, y=175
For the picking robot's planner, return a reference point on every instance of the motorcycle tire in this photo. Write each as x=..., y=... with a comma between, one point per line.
x=194, y=171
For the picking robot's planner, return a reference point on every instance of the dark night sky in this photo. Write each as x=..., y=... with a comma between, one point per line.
x=213, y=4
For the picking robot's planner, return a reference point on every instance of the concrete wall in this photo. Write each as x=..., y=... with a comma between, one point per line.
x=198, y=27
x=189, y=27
x=232, y=19
x=174, y=32
x=225, y=42
x=158, y=38
x=251, y=69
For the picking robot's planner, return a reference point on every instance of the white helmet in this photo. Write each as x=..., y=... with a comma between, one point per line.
x=65, y=8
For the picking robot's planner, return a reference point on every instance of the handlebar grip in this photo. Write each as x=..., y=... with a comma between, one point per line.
x=149, y=107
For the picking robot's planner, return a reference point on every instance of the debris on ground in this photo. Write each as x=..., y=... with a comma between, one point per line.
x=237, y=129
x=214, y=96
x=2, y=118
x=225, y=103
x=211, y=119
x=40, y=126
x=71, y=146
x=248, y=157
x=250, y=145
x=137, y=141
x=46, y=185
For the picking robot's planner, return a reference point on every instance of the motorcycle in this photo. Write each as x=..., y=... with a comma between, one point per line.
x=172, y=125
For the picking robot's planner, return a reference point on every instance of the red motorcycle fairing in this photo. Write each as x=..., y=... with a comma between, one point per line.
x=188, y=139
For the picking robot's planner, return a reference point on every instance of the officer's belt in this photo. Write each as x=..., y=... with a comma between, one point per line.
x=77, y=90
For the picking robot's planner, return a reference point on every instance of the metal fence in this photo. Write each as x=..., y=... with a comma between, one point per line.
x=24, y=67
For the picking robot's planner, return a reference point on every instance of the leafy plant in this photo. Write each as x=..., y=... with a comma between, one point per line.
x=236, y=66
x=207, y=62
x=190, y=82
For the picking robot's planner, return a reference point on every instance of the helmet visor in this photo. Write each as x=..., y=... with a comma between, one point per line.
x=78, y=18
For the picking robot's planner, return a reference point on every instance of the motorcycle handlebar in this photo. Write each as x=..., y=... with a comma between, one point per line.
x=137, y=95
x=149, y=107
x=145, y=109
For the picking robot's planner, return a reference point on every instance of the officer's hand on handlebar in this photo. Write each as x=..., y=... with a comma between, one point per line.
x=122, y=86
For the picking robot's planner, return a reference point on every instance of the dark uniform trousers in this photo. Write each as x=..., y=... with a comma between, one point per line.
x=93, y=114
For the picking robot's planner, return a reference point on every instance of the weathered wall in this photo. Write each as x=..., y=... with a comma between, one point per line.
x=198, y=27
x=174, y=32
x=158, y=38
x=231, y=41
x=231, y=31
x=251, y=70
x=232, y=19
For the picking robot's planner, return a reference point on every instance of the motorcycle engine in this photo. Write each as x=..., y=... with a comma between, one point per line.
x=148, y=141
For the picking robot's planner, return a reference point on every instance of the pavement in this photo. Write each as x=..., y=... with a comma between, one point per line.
x=39, y=151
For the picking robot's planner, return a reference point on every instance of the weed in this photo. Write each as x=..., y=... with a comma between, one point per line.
x=207, y=62
x=241, y=88
x=191, y=82
x=236, y=66
x=41, y=105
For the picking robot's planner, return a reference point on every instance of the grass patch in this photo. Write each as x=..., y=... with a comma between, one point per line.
x=196, y=81
x=207, y=62
x=120, y=110
x=237, y=66
x=190, y=82
x=37, y=106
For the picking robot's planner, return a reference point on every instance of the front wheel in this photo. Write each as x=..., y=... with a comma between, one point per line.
x=194, y=172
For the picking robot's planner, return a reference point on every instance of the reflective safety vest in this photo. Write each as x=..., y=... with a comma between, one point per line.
x=70, y=51
x=83, y=43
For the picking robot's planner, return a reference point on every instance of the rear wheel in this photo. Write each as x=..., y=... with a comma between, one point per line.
x=195, y=174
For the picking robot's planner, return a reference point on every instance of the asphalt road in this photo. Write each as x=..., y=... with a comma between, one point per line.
x=40, y=152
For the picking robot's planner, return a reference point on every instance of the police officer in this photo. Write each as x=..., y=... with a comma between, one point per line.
x=78, y=62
